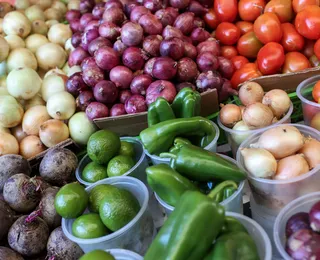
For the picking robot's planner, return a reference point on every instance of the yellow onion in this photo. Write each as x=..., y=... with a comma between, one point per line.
x=21, y=4
x=291, y=166
x=16, y=23
x=31, y=146
x=230, y=114
x=39, y=27
x=4, y=130
x=311, y=152
x=34, y=41
x=21, y=58
x=11, y=112
x=51, y=56
x=250, y=92
x=8, y=144
x=49, y=23
x=52, y=84
x=257, y=115
x=74, y=4
x=35, y=101
x=33, y=118
x=18, y=133
x=1, y=25
x=238, y=138
x=4, y=48
x=53, y=14
x=278, y=101
x=44, y=4
x=15, y=42
x=61, y=105
x=53, y=132
x=59, y=6
x=59, y=33
x=34, y=12
x=5, y=8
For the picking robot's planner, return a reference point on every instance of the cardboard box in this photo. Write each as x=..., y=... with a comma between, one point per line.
x=133, y=124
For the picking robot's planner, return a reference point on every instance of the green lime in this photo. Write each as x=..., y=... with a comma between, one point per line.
x=89, y=226
x=118, y=209
x=102, y=146
x=97, y=194
x=127, y=149
x=71, y=200
x=94, y=172
x=119, y=165
x=97, y=255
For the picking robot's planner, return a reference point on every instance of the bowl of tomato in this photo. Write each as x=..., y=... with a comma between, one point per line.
x=308, y=92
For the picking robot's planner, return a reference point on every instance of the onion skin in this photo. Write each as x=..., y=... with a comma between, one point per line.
x=170, y=32
x=61, y=105
x=207, y=61
x=131, y=34
x=230, y=114
x=315, y=121
x=184, y=22
x=8, y=144
x=30, y=146
x=97, y=110
x=209, y=80
x=134, y=58
x=109, y=31
x=172, y=48
x=210, y=45
x=106, y=58
x=121, y=76
x=150, y=24
x=77, y=56
x=257, y=115
x=190, y=51
x=315, y=217
x=114, y=15
x=187, y=70
x=148, y=67
x=135, y=104
x=250, y=92
x=291, y=167
x=140, y=83
x=117, y=110
x=53, y=132
x=151, y=45
x=278, y=101
x=160, y=88
x=18, y=133
x=33, y=118
x=164, y=68
x=124, y=96
x=105, y=92
x=311, y=152
x=97, y=43
x=296, y=222
x=137, y=12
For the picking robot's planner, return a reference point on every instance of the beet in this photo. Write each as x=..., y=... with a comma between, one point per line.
x=9, y=254
x=7, y=217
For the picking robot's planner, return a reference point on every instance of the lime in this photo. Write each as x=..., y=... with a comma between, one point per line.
x=97, y=194
x=97, y=255
x=89, y=226
x=102, y=146
x=119, y=165
x=71, y=200
x=127, y=149
x=94, y=172
x=118, y=209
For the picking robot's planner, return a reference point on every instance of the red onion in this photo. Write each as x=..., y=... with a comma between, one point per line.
x=84, y=99
x=199, y=35
x=113, y=3
x=75, y=25
x=150, y=24
x=72, y=15
x=148, y=67
x=164, y=17
x=85, y=19
x=137, y=12
x=152, y=5
x=164, y=68
x=86, y=6
x=170, y=32
x=119, y=47
x=124, y=95
x=160, y=88
x=314, y=216
x=206, y=3
x=87, y=37
x=186, y=39
x=173, y=12
x=140, y=83
x=199, y=23
x=113, y=15
x=180, y=4
x=96, y=110
x=98, y=43
x=77, y=56
x=76, y=39
x=75, y=84
x=105, y=92
x=187, y=70
x=93, y=24
x=296, y=222
x=184, y=22
x=185, y=85
x=109, y=31
x=226, y=67
x=190, y=51
x=128, y=7
x=92, y=75
x=211, y=45
x=151, y=45
x=106, y=58
x=98, y=11
x=209, y=80
x=117, y=110
x=207, y=61
x=87, y=63
x=172, y=48
x=196, y=8
x=121, y=76
x=131, y=34
x=226, y=91
x=134, y=58
x=135, y=104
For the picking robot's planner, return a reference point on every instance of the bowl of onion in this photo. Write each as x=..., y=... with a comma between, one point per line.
x=258, y=111
x=282, y=164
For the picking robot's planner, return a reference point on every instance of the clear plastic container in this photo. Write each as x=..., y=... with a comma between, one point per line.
x=236, y=137
x=136, y=236
x=233, y=203
x=123, y=254
x=302, y=204
x=259, y=236
x=137, y=171
x=210, y=147
x=273, y=195
x=310, y=108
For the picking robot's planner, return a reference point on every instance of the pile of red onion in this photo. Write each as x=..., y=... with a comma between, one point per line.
x=132, y=53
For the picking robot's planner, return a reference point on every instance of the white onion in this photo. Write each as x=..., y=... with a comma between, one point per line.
x=238, y=138
x=34, y=12
x=59, y=6
x=257, y=115
x=15, y=41
x=53, y=14
x=34, y=41
x=55, y=71
x=16, y=23
x=21, y=57
x=33, y=118
x=50, y=56
x=278, y=101
x=68, y=46
x=3, y=68
x=311, y=152
x=59, y=33
x=23, y=83
x=39, y=27
x=61, y=105
x=11, y=112
x=49, y=23
x=230, y=114
x=74, y=4
x=8, y=144
x=291, y=166
x=18, y=133
x=35, y=101
x=52, y=85
x=3, y=86
x=4, y=49
x=53, y=132
x=250, y=92
x=4, y=130
x=21, y=4
x=31, y=146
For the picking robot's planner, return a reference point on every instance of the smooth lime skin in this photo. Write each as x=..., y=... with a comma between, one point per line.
x=97, y=255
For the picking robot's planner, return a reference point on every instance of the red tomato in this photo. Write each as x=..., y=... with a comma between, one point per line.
x=226, y=10
x=295, y=61
x=248, y=71
x=229, y=52
x=314, y=61
x=211, y=19
x=299, y=5
x=239, y=61
x=267, y=28
x=291, y=39
x=307, y=22
x=244, y=27
x=316, y=49
x=316, y=92
x=227, y=33
x=308, y=49
x=250, y=10
x=270, y=58
x=282, y=8
x=248, y=45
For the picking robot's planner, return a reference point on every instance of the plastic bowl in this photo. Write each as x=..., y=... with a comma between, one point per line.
x=310, y=109
x=123, y=254
x=233, y=203
x=302, y=204
x=137, y=171
x=257, y=233
x=210, y=147
x=273, y=195
x=236, y=137
x=136, y=236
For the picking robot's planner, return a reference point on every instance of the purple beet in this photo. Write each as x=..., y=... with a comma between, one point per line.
x=105, y=92
x=7, y=217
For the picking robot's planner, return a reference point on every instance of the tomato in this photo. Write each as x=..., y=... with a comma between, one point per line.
x=211, y=19
x=227, y=33
x=295, y=61
x=229, y=52
x=309, y=112
x=307, y=22
x=239, y=61
x=282, y=8
x=267, y=28
x=250, y=10
x=316, y=92
x=244, y=27
x=270, y=58
x=308, y=49
x=299, y=5
x=291, y=39
x=314, y=61
x=248, y=71
x=248, y=45
x=316, y=48
x=226, y=10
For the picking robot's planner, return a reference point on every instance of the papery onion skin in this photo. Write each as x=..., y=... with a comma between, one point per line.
x=296, y=222
x=106, y=58
x=18, y=133
x=278, y=101
x=119, y=47
x=137, y=12
x=53, y=132
x=8, y=144
x=230, y=114
x=257, y=115
x=135, y=104
x=250, y=92
x=131, y=34
x=172, y=48
x=238, y=138
x=105, y=92
x=121, y=76
x=185, y=22
x=291, y=167
x=124, y=95
x=151, y=45
x=50, y=56
x=84, y=99
x=170, y=32
x=186, y=70
x=164, y=68
x=33, y=118
x=140, y=83
x=210, y=45
x=31, y=146
x=134, y=58
x=61, y=105
x=207, y=61
x=160, y=88
x=117, y=110
x=150, y=24
x=311, y=152
x=96, y=110
x=114, y=15
x=52, y=84
x=314, y=217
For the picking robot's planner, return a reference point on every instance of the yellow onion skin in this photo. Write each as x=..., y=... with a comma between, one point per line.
x=311, y=152
x=291, y=167
x=31, y=146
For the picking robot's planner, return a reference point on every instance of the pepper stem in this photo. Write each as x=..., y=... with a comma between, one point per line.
x=220, y=187
x=168, y=155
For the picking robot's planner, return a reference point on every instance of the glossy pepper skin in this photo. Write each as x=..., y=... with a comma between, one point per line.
x=187, y=103
x=223, y=191
x=177, y=142
x=159, y=111
x=198, y=164
x=231, y=224
x=185, y=235
x=159, y=138
x=167, y=183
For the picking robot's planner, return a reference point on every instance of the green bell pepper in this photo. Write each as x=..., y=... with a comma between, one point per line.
x=159, y=111
x=223, y=191
x=189, y=231
x=167, y=183
x=231, y=224
x=177, y=142
x=187, y=103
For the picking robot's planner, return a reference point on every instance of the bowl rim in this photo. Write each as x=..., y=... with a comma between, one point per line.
x=304, y=84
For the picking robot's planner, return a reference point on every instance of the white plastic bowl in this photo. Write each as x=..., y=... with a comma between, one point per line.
x=236, y=137
x=210, y=147
x=136, y=236
x=123, y=254
x=302, y=204
x=273, y=195
x=137, y=171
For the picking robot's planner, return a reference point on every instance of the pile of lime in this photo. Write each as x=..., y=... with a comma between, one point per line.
x=97, y=255
x=110, y=156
